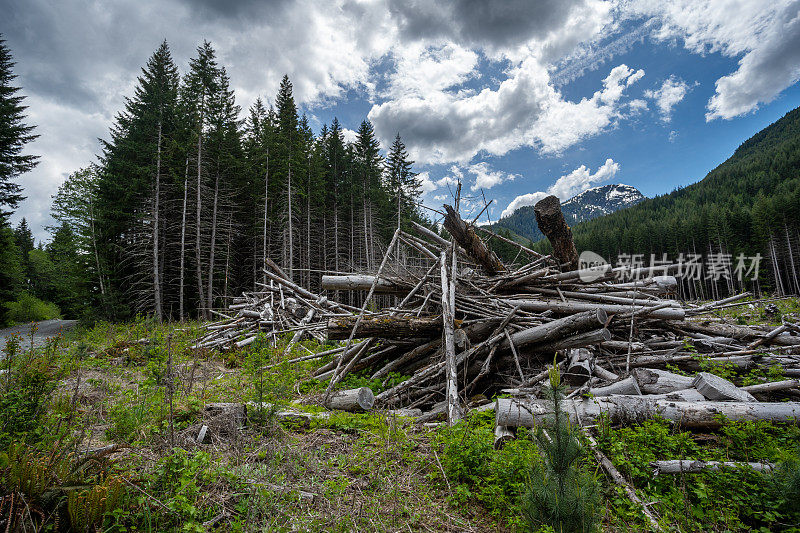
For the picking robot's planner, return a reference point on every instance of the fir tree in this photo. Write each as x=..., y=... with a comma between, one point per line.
x=14, y=135
x=23, y=237
x=561, y=493
x=402, y=181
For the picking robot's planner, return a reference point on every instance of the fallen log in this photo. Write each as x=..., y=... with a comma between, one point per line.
x=773, y=386
x=360, y=399
x=687, y=466
x=561, y=308
x=632, y=409
x=653, y=381
x=558, y=329
x=361, y=282
x=384, y=327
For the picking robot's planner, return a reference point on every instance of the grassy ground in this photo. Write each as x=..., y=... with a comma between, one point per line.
x=141, y=387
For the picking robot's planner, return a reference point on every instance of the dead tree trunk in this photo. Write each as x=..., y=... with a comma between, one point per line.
x=471, y=243
x=454, y=413
x=156, y=214
x=551, y=221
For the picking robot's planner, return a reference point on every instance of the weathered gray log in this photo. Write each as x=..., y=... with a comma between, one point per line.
x=769, y=336
x=688, y=466
x=580, y=366
x=738, y=332
x=773, y=386
x=360, y=399
x=714, y=387
x=471, y=243
x=360, y=282
x=574, y=341
x=654, y=381
x=685, y=395
x=558, y=329
x=405, y=412
x=385, y=327
x=551, y=222
x=623, y=345
x=627, y=386
x=628, y=409
x=604, y=374
x=561, y=308
x=502, y=435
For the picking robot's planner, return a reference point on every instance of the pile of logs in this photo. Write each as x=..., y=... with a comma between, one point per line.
x=463, y=327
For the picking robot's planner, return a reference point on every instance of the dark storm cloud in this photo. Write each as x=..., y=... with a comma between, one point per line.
x=235, y=9
x=487, y=23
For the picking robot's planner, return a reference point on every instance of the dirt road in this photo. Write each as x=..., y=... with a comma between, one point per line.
x=45, y=330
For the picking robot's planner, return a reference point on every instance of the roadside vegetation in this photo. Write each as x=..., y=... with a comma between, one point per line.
x=98, y=433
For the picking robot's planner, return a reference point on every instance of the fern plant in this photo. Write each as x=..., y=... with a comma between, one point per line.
x=88, y=508
x=560, y=493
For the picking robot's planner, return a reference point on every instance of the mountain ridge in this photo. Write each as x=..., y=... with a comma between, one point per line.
x=589, y=204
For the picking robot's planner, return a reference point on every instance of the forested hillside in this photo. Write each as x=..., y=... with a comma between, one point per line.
x=749, y=204
x=188, y=200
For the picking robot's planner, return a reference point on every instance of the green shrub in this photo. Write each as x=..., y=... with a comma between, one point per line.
x=25, y=388
x=28, y=308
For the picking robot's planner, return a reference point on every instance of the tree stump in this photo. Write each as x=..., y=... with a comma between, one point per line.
x=551, y=222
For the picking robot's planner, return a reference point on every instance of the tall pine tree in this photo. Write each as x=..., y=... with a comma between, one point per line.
x=14, y=135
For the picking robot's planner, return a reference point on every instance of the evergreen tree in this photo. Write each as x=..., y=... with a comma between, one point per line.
x=23, y=237
x=14, y=135
x=10, y=269
x=131, y=185
x=561, y=493
x=402, y=181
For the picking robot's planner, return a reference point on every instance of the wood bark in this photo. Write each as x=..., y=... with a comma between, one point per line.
x=360, y=282
x=627, y=409
x=551, y=222
x=386, y=327
x=156, y=224
x=466, y=237
x=714, y=387
x=668, y=313
x=654, y=381
x=454, y=413
x=360, y=399
x=688, y=466
x=558, y=329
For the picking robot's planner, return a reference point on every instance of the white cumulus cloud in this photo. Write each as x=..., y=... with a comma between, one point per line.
x=567, y=185
x=666, y=97
x=765, y=36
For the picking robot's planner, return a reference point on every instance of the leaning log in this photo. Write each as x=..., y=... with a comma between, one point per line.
x=360, y=399
x=472, y=244
x=558, y=329
x=687, y=466
x=714, y=387
x=384, y=327
x=563, y=308
x=551, y=222
x=632, y=409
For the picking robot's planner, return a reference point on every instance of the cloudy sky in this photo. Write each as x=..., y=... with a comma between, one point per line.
x=515, y=98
